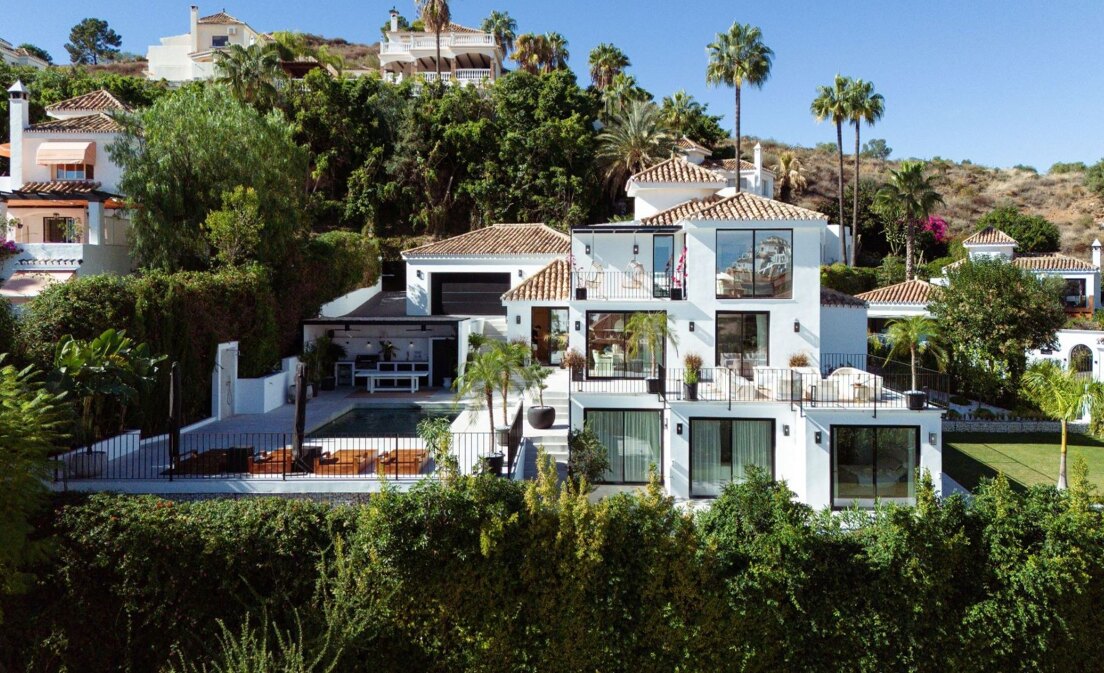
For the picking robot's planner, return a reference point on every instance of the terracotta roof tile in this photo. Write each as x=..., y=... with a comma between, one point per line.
x=730, y=165
x=99, y=101
x=678, y=169
x=909, y=292
x=681, y=211
x=220, y=18
x=685, y=143
x=746, y=206
x=94, y=123
x=60, y=187
x=830, y=297
x=499, y=239
x=1041, y=261
x=552, y=283
x=990, y=236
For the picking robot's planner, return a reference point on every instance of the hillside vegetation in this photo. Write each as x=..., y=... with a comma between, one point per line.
x=970, y=190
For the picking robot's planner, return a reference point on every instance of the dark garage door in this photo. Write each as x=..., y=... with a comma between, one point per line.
x=469, y=293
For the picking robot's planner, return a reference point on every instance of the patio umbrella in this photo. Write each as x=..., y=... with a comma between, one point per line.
x=176, y=411
x=300, y=413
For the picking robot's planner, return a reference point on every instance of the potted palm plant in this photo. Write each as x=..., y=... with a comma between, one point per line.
x=691, y=375
x=652, y=329
x=541, y=416
x=387, y=350
x=914, y=336
x=574, y=361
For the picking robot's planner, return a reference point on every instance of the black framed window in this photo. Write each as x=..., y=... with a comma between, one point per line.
x=754, y=263
x=743, y=340
x=721, y=450
x=874, y=463
x=61, y=230
x=633, y=441
x=663, y=264
x=608, y=353
x=219, y=41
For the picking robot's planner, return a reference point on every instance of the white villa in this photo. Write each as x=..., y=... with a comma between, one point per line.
x=188, y=57
x=468, y=56
x=12, y=55
x=60, y=202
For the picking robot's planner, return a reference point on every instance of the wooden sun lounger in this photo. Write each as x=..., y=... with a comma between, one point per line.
x=345, y=462
x=402, y=462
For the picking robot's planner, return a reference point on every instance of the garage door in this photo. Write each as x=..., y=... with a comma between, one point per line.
x=469, y=293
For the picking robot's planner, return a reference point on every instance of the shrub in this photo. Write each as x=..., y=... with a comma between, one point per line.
x=1094, y=178
x=848, y=279
x=588, y=458
x=799, y=360
x=1060, y=167
x=960, y=400
x=1033, y=233
x=8, y=327
x=891, y=271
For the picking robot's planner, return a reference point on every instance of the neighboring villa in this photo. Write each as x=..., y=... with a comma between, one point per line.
x=60, y=202
x=188, y=57
x=18, y=56
x=468, y=55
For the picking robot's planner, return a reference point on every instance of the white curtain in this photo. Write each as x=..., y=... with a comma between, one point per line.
x=722, y=450
x=708, y=476
x=642, y=445
x=751, y=445
x=608, y=426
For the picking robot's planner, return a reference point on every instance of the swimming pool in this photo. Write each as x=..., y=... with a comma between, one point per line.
x=383, y=421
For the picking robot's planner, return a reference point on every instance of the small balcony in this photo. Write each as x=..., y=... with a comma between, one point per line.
x=429, y=42
x=461, y=76
x=635, y=285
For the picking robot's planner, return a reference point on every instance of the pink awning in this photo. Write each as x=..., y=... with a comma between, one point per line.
x=25, y=285
x=50, y=153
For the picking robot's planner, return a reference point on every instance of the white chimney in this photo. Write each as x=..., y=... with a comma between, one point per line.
x=193, y=28
x=758, y=166
x=394, y=20
x=1096, y=253
x=19, y=118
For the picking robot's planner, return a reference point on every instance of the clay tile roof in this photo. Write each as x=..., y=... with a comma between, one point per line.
x=552, y=283
x=1051, y=261
x=745, y=206
x=499, y=239
x=677, y=169
x=685, y=143
x=990, y=236
x=98, y=101
x=221, y=18
x=830, y=297
x=94, y=123
x=681, y=211
x=60, y=187
x=909, y=292
x=730, y=165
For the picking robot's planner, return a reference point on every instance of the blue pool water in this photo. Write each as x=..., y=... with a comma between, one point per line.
x=380, y=421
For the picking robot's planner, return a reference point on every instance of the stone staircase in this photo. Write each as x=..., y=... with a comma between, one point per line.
x=494, y=327
x=554, y=439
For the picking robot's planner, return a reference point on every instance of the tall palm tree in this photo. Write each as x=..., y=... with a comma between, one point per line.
x=290, y=45
x=436, y=16
x=557, y=54
x=865, y=106
x=503, y=27
x=736, y=58
x=790, y=178
x=621, y=92
x=833, y=102
x=252, y=73
x=909, y=196
x=914, y=336
x=678, y=109
x=1063, y=395
x=633, y=141
x=478, y=378
x=530, y=52
x=606, y=61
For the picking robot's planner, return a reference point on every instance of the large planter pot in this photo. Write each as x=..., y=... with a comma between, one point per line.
x=541, y=418
x=86, y=465
x=577, y=374
x=916, y=400
x=494, y=463
x=502, y=435
x=676, y=293
x=580, y=293
x=328, y=383
x=689, y=391
x=655, y=386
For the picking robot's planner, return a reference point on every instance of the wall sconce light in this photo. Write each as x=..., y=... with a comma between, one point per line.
x=785, y=431
x=588, y=250
x=521, y=274
x=931, y=438
x=517, y=319
x=797, y=325
x=691, y=325
x=636, y=249
x=420, y=276
x=678, y=428
x=817, y=436
x=578, y=326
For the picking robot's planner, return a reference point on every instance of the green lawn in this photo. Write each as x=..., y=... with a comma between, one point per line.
x=1026, y=459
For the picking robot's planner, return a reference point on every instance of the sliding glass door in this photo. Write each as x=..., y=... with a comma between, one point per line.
x=663, y=264
x=743, y=341
x=633, y=441
x=609, y=354
x=721, y=450
x=874, y=463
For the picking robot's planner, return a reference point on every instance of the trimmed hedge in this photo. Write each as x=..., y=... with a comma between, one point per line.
x=490, y=575
x=848, y=279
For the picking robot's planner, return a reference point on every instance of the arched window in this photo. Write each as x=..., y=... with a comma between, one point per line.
x=1081, y=359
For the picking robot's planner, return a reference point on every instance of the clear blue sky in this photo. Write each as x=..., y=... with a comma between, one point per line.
x=997, y=82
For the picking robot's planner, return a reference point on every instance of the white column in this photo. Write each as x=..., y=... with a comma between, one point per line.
x=95, y=222
x=19, y=116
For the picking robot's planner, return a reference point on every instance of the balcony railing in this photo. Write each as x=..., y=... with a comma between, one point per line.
x=609, y=285
x=406, y=44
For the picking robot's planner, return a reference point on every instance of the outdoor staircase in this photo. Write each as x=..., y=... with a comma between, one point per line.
x=554, y=439
x=494, y=327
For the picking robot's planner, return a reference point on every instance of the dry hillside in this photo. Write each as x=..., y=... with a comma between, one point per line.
x=969, y=190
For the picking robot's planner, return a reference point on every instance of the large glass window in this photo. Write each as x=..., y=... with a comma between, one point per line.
x=608, y=352
x=754, y=263
x=1075, y=296
x=743, y=341
x=871, y=463
x=219, y=41
x=72, y=172
x=633, y=441
x=721, y=450
x=663, y=264
x=61, y=230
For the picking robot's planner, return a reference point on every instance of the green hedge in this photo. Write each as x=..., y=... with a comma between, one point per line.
x=489, y=575
x=848, y=279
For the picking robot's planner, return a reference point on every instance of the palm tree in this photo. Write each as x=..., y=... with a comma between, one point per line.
x=622, y=91
x=503, y=27
x=833, y=102
x=436, y=16
x=633, y=141
x=736, y=58
x=557, y=54
x=910, y=196
x=291, y=46
x=651, y=329
x=790, y=178
x=913, y=336
x=478, y=377
x=530, y=52
x=606, y=61
x=1063, y=395
x=864, y=106
x=678, y=109
x=252, y=73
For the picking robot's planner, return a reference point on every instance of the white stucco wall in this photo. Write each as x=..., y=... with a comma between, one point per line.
x=651, y=200
x=418, y=300
x=106, y=173
x=1067, y=339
